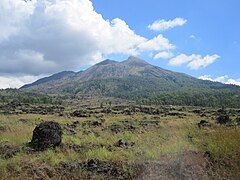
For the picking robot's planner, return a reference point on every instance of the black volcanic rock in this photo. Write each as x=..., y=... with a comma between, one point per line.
x=46, y=135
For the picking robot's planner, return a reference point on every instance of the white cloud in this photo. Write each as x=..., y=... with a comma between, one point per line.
x=206, y=77
x=181, y=59
x=203, y=62
x=63, y=35
x=158, y=43
x=195, y=61
x=16, y=82
x=223, y=79
x=46, y=36
x=13, y=15
x=163, y=55
x=162, y=25
x=59, y=35
x=232, y=81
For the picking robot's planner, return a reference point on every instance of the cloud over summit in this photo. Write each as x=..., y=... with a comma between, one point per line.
x=46, y=36
x=42, y=37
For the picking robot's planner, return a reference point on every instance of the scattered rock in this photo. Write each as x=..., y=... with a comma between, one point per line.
x=86, y=132
x=197, y=111
x=124, y=144
x=96, y=123
x=117, y=128
x=3, y=128
x=106, y=110
x=42, y=109
x=76, y=147
x=203, y=123
x=70, y=132
x=203, y=115
x=92, y=124
x=46, y=135
x=223, y=119
x=149, y=123
x=79, y=113
x=73, y=124
x=175, y=114
x=121, y=143
x=8, y=150
x=93, y=163
x=238, y=120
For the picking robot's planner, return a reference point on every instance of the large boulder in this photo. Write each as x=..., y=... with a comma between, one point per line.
x=46, y=135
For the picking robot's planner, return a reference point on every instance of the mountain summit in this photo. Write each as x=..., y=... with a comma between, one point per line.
x=135, y=79
x=135, y=61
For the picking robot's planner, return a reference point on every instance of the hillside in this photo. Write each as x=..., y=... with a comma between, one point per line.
x=54, y=77
x=135, y=79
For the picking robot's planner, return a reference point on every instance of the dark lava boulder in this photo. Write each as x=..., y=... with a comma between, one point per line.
x=46, y=135
x=223, y=119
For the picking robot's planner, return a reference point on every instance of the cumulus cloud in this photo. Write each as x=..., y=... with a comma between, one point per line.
x=13, y=15
x=47, y=36
x=194, y=61
x=181, y=59
x=203, y=62
x=161, y=25
x=223, y=79
x=163, y=55
x=233, y=81
x=158, y=43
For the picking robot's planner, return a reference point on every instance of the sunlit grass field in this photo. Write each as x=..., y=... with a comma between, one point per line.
x=170, y=136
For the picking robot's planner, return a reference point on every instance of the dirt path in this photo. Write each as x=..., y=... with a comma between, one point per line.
x=189, y=165
x=186, y=163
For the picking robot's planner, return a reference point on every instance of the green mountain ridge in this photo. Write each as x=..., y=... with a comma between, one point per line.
x=135, y=79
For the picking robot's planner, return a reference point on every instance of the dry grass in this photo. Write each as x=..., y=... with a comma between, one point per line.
x=173, y=136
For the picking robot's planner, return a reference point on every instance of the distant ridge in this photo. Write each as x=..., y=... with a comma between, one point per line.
x=53, y=77
x=136, y=79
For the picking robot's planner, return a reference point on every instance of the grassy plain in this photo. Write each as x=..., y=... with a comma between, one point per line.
x=161, y=142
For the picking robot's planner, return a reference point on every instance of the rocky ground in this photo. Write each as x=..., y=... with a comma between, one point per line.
x=118, y=141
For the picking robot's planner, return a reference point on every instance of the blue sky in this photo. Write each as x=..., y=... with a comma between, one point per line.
x=214, y=24
x=42, y=37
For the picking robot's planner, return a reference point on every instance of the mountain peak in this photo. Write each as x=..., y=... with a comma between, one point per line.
x=135, y=61
x=133, y=58
x=107, y=61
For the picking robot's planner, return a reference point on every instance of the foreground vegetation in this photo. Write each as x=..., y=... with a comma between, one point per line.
x=104, y=140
